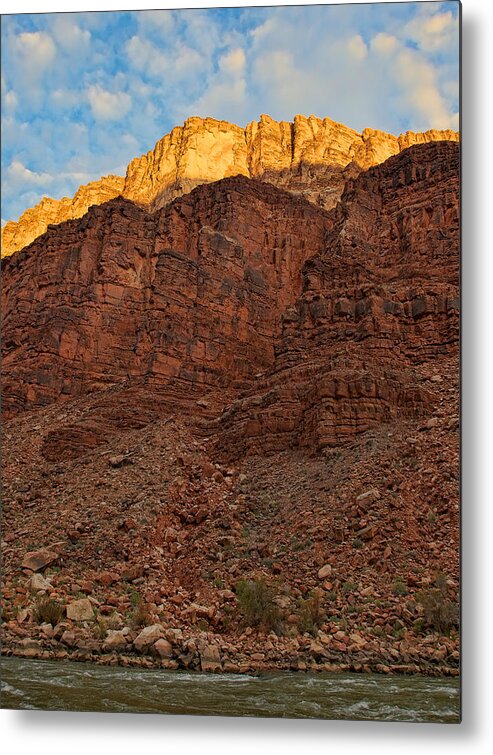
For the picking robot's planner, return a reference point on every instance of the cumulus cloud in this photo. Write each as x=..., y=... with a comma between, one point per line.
x=433, y=32
x=150, y=59
x=233, y=62
x=145, y=56
x=160, y=21
x=10, y=100
x=19, y=175
x=69, y=35
x=34, y=52
x=225, y=92
x=65, y=99
x=383, y=43
x=108, y=106
x=419, y=81
x=357, y=47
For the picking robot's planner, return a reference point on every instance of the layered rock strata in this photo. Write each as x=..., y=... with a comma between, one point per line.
x=310, y=156
x=302, y=327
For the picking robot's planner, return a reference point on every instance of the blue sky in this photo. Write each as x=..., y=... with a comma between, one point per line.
x=84, y=93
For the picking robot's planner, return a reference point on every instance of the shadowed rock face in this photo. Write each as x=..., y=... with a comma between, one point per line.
x=302, y=327
x=379, y=306
x=310, y=156
x=191, y=294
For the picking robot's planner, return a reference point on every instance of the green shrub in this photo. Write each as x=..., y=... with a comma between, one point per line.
x=440, y=612
x=311, y=615
x=48, y=611
x=255, y=599
x=140, y=616
x=399, y=587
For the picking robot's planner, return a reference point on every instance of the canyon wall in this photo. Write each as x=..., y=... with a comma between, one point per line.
x=310, y=156
x=271, y=322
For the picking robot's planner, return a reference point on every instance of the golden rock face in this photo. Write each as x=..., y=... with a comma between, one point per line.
x=34, y=221
x=310, y=156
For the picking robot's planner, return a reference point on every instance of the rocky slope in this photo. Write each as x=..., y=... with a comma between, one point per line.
x=239, y=386
x=310, y=156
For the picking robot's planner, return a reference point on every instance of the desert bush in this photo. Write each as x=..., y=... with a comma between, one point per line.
x=311, y=614
x=140, y=616
x=100, y=628
x=399, y=587
x=255, y=599
x=48, y=611
x=439, y=611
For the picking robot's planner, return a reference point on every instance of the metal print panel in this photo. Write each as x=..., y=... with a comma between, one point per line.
x=230, y=260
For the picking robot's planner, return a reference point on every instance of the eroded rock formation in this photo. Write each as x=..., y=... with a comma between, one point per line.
x=310, y=156
x=34, y=221
x=309, y=327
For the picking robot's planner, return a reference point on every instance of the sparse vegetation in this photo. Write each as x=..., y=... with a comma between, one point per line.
x=311, y=614
x=255, y=599
x=399, y=587
x=440, y=612
x=348, y=587
x=48, y=611
x=140, y=615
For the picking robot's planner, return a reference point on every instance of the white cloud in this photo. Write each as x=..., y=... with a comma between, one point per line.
x=264, y=30
x=145, y=56
x=69, y=35
x=185, y=60
x=65, y=98
x=10, y=100
x=19, y=175
x=233, y=62
x=34, y=52
x=433, y=32
x=384, y=44
x=419, y=81
x=156, y=20
x=225, y=100
x=357, y=47
x=108, y=106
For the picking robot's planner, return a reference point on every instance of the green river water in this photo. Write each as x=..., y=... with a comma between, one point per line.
x=50, y=685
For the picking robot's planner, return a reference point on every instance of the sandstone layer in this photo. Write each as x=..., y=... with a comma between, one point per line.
x=310, y=156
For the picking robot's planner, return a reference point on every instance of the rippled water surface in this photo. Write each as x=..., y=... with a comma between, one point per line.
x=47, y=685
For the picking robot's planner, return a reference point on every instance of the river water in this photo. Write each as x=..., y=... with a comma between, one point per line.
x=57, y=685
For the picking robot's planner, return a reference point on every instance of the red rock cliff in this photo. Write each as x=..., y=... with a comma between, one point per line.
x=306, y=326
x=310, y=156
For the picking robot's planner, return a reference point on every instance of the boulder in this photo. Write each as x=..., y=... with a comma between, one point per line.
x=38, y=560
x=68, y=638
x=80, y=610
x=210, y=658
x=163, y=648
x=114, y=640
x=38, y=582
x=148, y=636
x=325, y=571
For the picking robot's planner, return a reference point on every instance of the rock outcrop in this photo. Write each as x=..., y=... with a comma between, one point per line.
x=35, y=221
x=307, y=326
x=379, y=300
x=310, y=156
